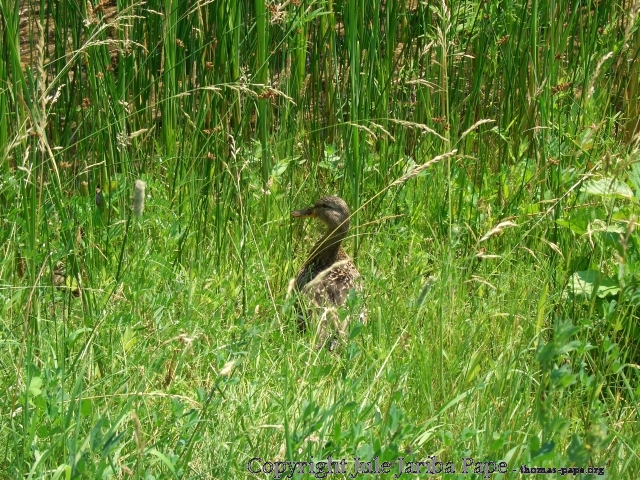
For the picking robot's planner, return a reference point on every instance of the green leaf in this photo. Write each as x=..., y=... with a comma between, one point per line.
x=568, y=347
x=164, y=459
x=585, y=282
x=577, y=451
x=608, y=287
x=96, y=437
x=545, y=449
x=356, y=329
x=562, y=377
x=280, y=167
x=634, y=176
x=547, y=353
x=128, y=339
x=35, y=386
x=576, y=226
x=74, y=335
x=86, y=407
x=613, y=228
x=499, y=440
x=63, y=469
x=365, y=452
x=608, y=187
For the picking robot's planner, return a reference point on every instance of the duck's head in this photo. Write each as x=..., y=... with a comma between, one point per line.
x=332, y=211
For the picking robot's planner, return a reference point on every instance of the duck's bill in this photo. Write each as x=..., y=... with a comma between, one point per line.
x=304, y=213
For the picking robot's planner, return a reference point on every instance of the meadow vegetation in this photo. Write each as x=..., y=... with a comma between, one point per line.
x=502, y=279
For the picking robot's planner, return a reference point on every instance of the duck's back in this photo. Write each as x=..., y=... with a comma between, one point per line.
x=330, y=287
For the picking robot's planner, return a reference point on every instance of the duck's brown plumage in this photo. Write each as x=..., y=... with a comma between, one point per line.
x=329, y=273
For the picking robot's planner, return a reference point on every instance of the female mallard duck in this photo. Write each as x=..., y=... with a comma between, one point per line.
x=329, y=273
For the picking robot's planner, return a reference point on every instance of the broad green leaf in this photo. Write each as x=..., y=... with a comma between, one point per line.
x=279, y=168
x=576, y=226
x=35, y=386
x=634, y=177
x=585, y=281
x=608, y=287
x=608, y=187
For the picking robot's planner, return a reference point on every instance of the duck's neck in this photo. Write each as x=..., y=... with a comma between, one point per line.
x=327, y=248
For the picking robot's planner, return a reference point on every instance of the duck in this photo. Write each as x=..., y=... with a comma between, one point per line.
x=328, y=274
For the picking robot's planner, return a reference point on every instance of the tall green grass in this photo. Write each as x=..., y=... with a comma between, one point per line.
x=501, y=282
